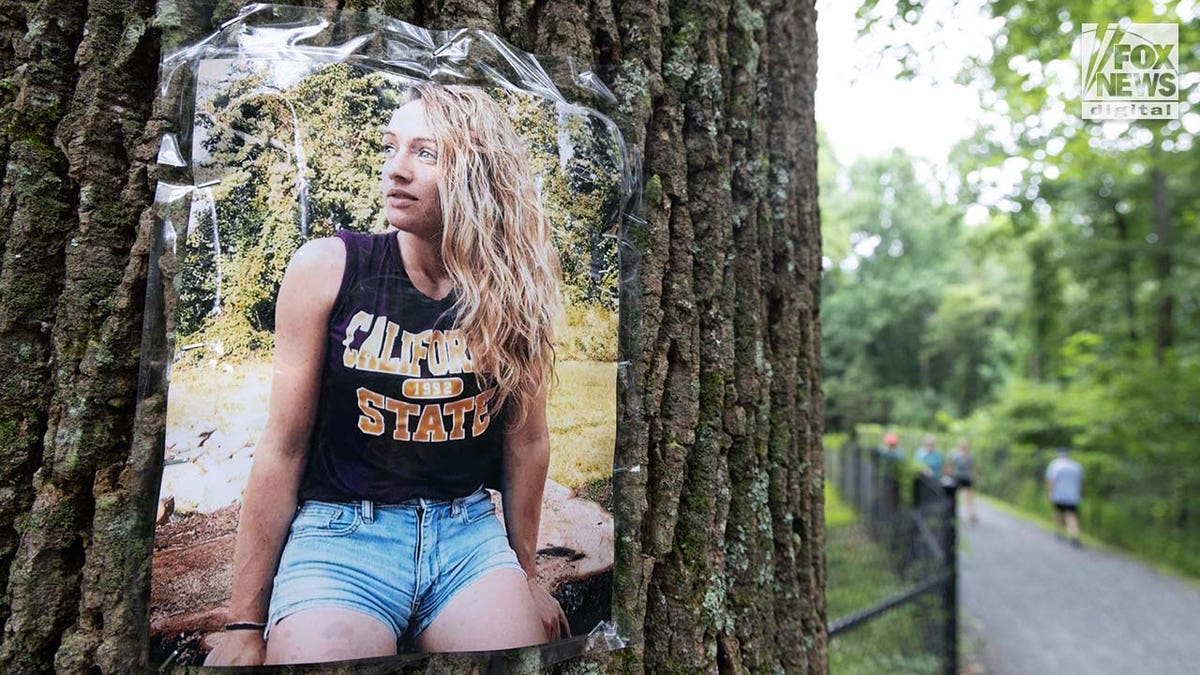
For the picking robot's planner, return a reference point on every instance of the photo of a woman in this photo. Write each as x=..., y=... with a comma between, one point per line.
x=410, y=374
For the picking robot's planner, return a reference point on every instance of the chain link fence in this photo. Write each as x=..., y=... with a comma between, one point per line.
x=892, y=567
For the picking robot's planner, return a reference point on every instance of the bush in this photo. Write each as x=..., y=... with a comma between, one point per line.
x=587, y=333
x=1134, y=429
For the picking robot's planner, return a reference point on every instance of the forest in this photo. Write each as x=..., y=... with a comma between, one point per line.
x=1043, y=293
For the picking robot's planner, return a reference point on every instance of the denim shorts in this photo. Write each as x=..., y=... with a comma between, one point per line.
x=399, y=563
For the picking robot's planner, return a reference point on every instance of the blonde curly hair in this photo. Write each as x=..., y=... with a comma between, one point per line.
x=496, y=243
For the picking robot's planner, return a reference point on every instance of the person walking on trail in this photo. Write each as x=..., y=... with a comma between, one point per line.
x=1064, y=487
x=891, y=447
x=929, y=457
x=961, y=468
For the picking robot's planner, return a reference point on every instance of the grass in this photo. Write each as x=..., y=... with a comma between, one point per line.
x=890, y=643
x=837, y=512
x=861, y=574
x=582, y=413
x=216, y=395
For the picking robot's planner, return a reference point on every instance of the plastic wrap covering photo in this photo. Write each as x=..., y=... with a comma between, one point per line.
x=280, y=140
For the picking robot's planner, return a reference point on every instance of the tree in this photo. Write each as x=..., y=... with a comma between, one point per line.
x=899, y=314
x=719, y=554
x=1115, y=195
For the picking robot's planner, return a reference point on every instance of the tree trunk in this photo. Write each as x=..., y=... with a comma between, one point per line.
x=1165, y=339
x=719, y=551
x=1125, y=271
x=1043, y=307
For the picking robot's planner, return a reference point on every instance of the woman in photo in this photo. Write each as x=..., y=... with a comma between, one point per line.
x=410, y=374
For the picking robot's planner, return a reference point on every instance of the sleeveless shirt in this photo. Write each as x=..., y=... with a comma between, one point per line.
x=401, y=414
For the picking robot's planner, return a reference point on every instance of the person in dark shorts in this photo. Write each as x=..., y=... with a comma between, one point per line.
x=1064, y=488
x=961, y=467
x=410, y=375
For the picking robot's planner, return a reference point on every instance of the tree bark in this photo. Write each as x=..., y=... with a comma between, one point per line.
x=1165, y=338
x=719, y=548
x=1125, y=271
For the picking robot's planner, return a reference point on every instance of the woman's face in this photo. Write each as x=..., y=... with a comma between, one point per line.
x=410, y=176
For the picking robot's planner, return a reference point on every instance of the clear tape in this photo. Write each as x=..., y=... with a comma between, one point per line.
x=604, y=637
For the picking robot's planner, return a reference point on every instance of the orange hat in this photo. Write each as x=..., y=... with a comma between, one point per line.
x=891, y=439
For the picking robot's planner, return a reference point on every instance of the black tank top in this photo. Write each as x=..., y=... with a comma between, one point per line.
x=401, y=414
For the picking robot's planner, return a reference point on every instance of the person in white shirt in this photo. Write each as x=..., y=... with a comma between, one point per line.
x=1064, y=488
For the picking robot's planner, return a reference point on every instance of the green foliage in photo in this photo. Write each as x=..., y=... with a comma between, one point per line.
x=284, y=155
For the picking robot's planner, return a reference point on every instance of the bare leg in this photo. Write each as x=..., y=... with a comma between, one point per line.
x=1073, y=525
x=969, y=502
x=1058, y=522
x=494, y=612
x=328, y=634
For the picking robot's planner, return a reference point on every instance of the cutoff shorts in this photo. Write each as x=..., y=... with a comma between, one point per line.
x=400, y=563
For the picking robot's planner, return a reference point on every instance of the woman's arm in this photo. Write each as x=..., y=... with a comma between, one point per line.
x=306, y=297
x=526, y=459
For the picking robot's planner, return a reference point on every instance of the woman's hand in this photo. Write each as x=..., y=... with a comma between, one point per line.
x=238, y=648
x=526, y=459
x=553, y=619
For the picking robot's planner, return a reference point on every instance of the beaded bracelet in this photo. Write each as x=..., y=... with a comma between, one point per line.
x=245, y=625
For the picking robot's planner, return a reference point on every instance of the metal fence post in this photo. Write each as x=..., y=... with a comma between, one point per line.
x=858, y=474
x=843, y=468
x=950, y=592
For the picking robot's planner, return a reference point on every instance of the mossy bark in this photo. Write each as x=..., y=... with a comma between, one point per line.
x=719, y=549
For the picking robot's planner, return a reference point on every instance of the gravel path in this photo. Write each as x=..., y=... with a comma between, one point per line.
x=1040, y=606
